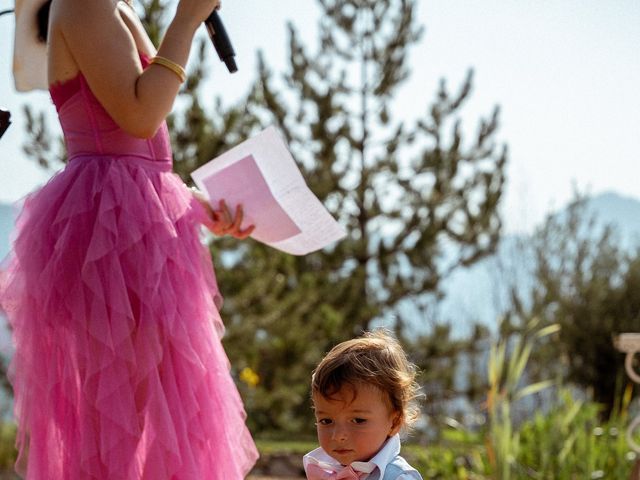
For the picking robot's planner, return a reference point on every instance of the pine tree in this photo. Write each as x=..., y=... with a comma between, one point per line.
x=416, y=199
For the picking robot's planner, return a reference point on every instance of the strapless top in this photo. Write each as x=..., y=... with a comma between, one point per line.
x=89, y=131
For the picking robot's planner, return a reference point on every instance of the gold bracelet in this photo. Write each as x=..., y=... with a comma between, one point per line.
x=171, y=65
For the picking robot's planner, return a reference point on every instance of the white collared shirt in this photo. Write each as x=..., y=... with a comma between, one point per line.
x=389, y=451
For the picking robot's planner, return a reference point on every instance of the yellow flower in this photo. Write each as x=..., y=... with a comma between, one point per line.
x=248, y=376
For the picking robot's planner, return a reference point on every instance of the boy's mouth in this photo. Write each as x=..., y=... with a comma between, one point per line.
x=342, y=451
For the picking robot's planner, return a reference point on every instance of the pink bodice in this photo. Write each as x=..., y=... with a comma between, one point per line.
x=89, y=131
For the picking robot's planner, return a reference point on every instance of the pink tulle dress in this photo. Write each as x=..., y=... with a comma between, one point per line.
x=118, y=371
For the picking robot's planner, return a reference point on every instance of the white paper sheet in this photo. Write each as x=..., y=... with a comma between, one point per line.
x=261, y=174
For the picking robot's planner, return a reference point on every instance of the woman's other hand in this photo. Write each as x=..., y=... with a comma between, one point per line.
x=225, y=223
x=221, y=220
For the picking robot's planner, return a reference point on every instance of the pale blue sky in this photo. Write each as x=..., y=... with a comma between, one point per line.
x=566, y=74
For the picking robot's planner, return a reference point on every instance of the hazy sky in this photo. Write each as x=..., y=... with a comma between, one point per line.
x=566, y=74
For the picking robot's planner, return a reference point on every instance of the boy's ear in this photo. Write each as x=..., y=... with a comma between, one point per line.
x=396, y=424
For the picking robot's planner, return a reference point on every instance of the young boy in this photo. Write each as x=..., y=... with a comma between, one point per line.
x=363, y=394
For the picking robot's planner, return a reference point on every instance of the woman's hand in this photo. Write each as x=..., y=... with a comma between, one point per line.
x=224, y=223
x=198, y=10
x=221, y=220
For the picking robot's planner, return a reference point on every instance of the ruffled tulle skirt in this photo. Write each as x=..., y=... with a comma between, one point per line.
x=118, y=371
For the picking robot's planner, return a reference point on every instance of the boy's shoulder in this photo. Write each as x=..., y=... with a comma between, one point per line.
x=399, y=466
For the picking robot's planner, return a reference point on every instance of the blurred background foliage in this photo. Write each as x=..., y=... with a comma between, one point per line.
x=544, y=395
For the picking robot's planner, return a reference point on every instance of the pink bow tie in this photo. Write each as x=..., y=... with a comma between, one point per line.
x=316, y=472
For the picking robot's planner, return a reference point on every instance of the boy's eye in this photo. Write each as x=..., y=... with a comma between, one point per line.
x=359, y=420
x=324, y=421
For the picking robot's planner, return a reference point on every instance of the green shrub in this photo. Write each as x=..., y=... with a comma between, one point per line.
x=7, y=448
x=570, y=441
x=447, y=462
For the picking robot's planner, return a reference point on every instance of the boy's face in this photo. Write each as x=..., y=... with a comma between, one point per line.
x=355, y=422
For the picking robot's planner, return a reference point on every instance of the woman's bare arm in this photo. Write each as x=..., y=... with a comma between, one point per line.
x=100, y=42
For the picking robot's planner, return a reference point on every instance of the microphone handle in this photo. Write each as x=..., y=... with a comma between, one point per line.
x=221, y=41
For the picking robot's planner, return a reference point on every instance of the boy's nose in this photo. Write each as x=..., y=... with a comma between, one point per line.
x=339, y=434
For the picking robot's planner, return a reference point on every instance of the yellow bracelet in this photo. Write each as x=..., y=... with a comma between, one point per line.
x=173, y=66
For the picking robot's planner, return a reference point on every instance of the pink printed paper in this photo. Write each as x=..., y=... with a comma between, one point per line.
x=242, y=183
x=261, y=175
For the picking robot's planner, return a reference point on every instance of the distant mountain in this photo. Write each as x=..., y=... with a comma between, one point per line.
x=7, y=215
x=481, y=292
x=621, y=212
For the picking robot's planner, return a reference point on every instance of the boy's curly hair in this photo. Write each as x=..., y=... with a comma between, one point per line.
x=377, y=359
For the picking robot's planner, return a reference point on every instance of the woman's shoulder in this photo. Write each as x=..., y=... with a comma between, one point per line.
x=80, y=8
x=67, y=14
x=80, y=21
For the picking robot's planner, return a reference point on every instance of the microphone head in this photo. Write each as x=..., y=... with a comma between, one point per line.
x=221, y=42
x=231, y=64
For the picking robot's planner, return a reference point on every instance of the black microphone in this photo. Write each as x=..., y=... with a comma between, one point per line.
x=221, y=41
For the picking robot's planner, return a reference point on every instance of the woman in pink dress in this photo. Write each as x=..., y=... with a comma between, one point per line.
x=119, y=372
